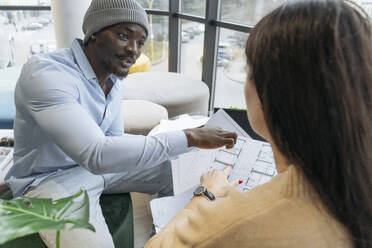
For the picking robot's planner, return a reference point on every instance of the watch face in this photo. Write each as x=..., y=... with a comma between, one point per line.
x=199, y=190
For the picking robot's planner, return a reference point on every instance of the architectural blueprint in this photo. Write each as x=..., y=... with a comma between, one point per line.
x=252, y=161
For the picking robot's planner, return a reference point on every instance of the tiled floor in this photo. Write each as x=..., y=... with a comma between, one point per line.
x=142, y=219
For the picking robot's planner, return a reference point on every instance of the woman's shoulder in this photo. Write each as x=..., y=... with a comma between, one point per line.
x=286, y=223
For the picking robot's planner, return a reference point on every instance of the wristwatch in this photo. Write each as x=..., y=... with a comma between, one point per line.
x=202, y=191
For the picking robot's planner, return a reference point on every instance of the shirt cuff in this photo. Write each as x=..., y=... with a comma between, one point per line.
x=177, y=143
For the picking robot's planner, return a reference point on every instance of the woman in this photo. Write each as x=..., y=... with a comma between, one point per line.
x=308, y=92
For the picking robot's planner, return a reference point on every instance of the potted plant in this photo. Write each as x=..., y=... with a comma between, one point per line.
x=23, y=216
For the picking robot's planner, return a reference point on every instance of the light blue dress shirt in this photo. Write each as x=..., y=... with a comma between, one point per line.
x=63, y=119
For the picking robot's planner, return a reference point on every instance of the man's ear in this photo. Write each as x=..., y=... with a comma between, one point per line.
x=92, y=39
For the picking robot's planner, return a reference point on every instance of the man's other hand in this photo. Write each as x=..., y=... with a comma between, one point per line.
x=210, y=137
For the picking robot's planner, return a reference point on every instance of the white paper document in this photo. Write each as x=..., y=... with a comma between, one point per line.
x=252, y=162
x=223, y=120
x=6, y=154
x=164, y=209
x=180, y=123
x=6, y=162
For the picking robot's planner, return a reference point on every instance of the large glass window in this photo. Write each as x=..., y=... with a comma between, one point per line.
x=25, y=2
x=156, y=46
x=23, y=34
x=231, y=74
x=192, y=39
x=247, y=12
x=154, y=4
x=193, y=7
x=367, y=5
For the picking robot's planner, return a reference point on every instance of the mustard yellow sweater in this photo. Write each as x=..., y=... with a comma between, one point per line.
x=284, y=212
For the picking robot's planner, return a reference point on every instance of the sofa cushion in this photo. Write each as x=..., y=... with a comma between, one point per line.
x=178, y=93
x=141, y=116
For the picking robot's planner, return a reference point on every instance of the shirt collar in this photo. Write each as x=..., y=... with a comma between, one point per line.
x=82, y=60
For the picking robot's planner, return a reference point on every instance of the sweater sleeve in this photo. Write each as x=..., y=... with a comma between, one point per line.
x=192, y=228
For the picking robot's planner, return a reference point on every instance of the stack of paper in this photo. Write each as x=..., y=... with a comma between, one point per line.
x=6, y=154
x=182, y=122
x=252, y=162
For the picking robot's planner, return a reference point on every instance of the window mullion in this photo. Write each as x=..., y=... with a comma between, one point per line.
x=210, y=48
x=174, y=36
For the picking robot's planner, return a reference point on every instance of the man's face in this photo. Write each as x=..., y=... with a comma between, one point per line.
x=119, y=46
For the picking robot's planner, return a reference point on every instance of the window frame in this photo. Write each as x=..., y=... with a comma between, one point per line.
x=211, y=22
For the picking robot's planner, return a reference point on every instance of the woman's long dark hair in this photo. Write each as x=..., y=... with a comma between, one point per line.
x=312, y=66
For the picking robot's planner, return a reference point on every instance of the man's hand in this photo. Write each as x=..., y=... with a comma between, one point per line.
x=210, y=137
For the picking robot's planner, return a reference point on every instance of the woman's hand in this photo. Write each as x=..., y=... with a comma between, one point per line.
x=216, y=181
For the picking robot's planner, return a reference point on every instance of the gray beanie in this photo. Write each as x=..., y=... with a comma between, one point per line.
x=104, y=13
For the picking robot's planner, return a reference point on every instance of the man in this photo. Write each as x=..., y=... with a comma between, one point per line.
x=69, y=127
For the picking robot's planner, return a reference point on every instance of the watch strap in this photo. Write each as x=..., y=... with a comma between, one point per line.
x=203, y=191
x=209, y=195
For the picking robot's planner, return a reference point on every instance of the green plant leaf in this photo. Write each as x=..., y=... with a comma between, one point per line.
x=22, y=216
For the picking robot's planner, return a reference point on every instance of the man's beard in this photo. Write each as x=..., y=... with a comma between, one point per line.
x=109, y=63
x=124, y=75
